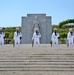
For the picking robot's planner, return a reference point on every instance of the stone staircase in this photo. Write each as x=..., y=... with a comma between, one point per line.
x=36, y=61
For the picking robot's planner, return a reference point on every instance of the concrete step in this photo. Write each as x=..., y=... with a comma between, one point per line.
x=36, y=72
x=36, y=53
x=35, y=57
x=38, y=60
x=36, y=66
x=37, y=69
x=35, y=63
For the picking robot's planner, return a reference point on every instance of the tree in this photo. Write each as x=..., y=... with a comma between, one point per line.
x=66, y=22
x=7, y=34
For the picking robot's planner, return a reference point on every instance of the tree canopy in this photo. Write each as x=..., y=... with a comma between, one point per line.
x=66, y=22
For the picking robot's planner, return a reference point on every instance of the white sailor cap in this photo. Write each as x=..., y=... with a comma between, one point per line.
x=70, y=29
x=55, y=29
x=35, y=17
x=1, y=28
x=17, y=28
x=36, y=29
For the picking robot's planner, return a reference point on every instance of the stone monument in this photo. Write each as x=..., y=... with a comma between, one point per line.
x=42, y=22
x=36, y=24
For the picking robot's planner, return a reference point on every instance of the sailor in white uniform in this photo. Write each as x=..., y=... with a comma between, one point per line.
x=54, y=38
x=2, y=37
x=17, y=36
x=36, y=38
x=70, y=38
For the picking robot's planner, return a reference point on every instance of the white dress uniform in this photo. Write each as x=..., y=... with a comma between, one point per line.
x=2, y=38
x=36, y=38
x=70, y=38
x=54, y=39
x=17, y=36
